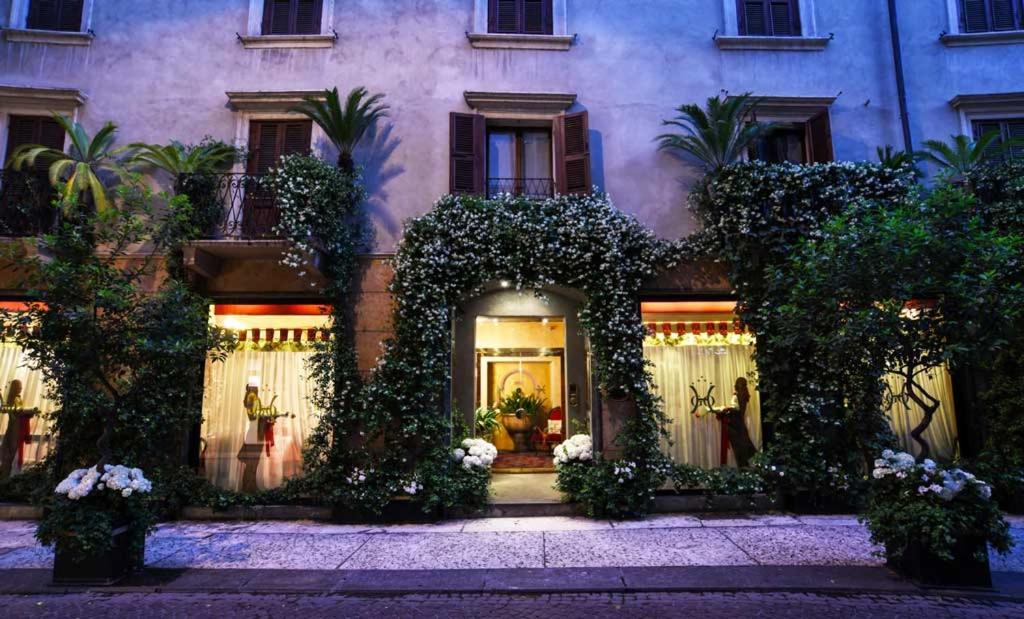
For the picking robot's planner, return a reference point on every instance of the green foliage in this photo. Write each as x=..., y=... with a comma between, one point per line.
x=719, y=481
x=344, y=125
x=900, y=160
x=963, y=154
x=176, y=158
x=521, y=405
x=81, y=171
x=932, y=506
x=612, y=488
x=718, y=134
x=486, y=422
x=84, y=527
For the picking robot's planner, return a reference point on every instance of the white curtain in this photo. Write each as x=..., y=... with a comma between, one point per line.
x=14, y=366
x=225, y=424
x=904, y=415
x=697, y=441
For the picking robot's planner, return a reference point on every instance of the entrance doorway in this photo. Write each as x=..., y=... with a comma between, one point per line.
x=522, y=360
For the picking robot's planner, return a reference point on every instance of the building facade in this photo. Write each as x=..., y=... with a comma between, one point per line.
x=488, y=96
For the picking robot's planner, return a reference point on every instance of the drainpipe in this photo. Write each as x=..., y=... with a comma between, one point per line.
x=901, y=87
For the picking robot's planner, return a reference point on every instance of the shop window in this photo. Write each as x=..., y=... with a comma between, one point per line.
x=257, y=408
x=703, y=368
x=24, y=428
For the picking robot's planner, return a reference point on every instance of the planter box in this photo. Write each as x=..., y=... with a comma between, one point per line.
x=964, y=571
x=398, y=510
x=806, y=502
x=104, y=568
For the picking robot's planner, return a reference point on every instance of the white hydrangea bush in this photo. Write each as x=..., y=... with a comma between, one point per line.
x=475, y=453
x=579, y=448
x=946, y=483
x=114, y=478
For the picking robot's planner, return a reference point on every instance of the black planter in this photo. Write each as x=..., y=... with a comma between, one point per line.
x=396, y=511
x=106, y=567
x=965, y=570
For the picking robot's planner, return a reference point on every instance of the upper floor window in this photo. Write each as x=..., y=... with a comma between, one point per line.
x=519, y=161
x=292, y=16
x=1008, y=129
x=269, y=140
x=63, y=15
x=991, y=15
x=520, y=17
x=768, y=18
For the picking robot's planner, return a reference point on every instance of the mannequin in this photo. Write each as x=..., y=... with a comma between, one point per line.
x=734, y=423
x=18, y=430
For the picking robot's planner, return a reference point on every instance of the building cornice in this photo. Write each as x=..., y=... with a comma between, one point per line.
x=993, y=101
x=269, y=101
x=549, y=103
x=550, y=42
x=52, y=37
x=57, y=99
x=970, y=39
x=791, y=44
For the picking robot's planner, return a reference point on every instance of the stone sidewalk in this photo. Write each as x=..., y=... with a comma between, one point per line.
x=501, y=543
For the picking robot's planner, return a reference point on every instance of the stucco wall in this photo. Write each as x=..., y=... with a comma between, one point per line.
x=160, y=69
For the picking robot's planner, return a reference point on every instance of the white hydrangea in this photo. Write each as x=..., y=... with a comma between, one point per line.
x=116, y=478
x=945, y=483
x=475, y=453
x=579, y=447
x=412, y=487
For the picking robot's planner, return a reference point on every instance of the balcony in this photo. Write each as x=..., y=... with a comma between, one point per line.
x=26, y=204
x=531, y=188
x=233, y=206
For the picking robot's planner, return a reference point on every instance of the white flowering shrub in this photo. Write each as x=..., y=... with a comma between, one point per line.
x=115, y=478
x=929, y=505
x=475, y=453
x=579, y=448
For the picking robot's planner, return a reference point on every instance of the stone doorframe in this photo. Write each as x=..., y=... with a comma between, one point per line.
x=502, y=302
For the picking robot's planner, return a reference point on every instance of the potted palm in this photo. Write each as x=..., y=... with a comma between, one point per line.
x=519, y=413
x=935, y=522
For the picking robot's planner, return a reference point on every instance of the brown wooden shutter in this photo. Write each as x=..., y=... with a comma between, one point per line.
x=520, y=16
x=307, y=16
x=55, y=15
x=537, y=17
x=974, y=15
x=298, y=136
x=1004, y=15
x=780, y=18
x=269, y=140
x=277, y=17
x=819, y=138
x=1015, y=131
x=41, y=130
x=572, y=153
x=503, y=16
x=467, y=144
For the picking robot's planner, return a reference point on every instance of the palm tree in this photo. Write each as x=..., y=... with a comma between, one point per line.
x=178, y=159
x=959, y=158
x=81, y=168
x=717, y=134
x=344, y=126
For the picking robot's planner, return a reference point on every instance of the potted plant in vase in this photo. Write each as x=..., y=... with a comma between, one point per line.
x=97, y=525
x=519, y=414
x=935, y=522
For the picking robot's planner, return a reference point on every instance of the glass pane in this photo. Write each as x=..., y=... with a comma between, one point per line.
x=501, y=154
x=536, y=154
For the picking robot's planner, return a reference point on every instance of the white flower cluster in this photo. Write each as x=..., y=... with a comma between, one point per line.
x=624, y=471
x=475, y=453
x=945, y=483
x=116, y=478
x=579, y=447
x=892, y=463
x=412, y=487
x=357, y=476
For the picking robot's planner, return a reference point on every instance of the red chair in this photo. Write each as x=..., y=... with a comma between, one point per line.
x=545, y=438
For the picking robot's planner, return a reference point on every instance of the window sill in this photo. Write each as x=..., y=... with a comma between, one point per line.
x=53, y=37
x=488, y=40
x=791, y=44
x=966, y=39
x=284, y=41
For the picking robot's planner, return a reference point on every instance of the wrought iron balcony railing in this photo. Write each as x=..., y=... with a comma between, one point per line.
x=533, y=188
x=232, y=206
x=26, y=204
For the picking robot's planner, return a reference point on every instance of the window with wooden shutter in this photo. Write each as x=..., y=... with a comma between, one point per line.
x=1007, y=129
x=519, y=16
x=292, y=16
x=768, y=18
x=572, y=153
x=269, y=140
x=467, y=162
x=991, y=15
x=64, y=15
x=41, y=130
x=819, y=138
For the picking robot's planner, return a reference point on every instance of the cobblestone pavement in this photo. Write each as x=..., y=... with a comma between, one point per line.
x=591, y=606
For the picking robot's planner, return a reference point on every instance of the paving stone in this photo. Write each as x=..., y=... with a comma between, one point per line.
x=27, y=558
x=450, y=551
x=239, y=550
x=198, y=528
x=648, y=547
x=753, y=520
x=830, y=520
x=548, y=523
x=1014, y=561
x=659, y=521
x=805, y=545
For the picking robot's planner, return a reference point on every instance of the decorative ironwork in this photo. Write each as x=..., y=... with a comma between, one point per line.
x=232, y=205
x=534, y=188
x=26, y=204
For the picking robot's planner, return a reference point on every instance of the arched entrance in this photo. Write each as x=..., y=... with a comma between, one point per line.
x=514, y=344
